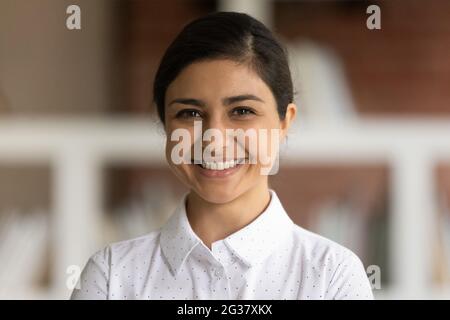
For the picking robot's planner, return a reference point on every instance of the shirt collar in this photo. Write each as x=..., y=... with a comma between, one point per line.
x=252, y=244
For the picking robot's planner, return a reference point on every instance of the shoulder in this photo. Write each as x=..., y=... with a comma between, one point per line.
x=142, y=242
x=340, y=267
x=125, y=250
x=319, y=248
x=94, y=280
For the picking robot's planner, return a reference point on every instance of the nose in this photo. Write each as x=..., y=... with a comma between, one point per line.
x=215, y=120
x=213, y=126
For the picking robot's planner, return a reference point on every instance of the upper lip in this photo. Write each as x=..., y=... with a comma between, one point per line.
x=223, y=160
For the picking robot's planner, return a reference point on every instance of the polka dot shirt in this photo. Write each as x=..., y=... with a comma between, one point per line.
x=270, y=258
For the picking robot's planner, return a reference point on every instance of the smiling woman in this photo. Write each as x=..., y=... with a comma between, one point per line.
x=230, y=237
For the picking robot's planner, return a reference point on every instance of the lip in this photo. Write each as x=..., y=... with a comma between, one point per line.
x=217, y=173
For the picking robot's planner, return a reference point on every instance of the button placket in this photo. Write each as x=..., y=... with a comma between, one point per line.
x=219, y=283
x=218, y=272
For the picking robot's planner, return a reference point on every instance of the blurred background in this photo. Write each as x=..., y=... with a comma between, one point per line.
x=367, y=163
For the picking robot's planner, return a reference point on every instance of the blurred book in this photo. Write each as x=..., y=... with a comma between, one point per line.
x=365, y=233
x=145, y=211
x=442, y=242
x=338, y=221
x=23, y=245
x=324, y=95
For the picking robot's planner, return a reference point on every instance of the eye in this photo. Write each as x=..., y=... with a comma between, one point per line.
x=188, y=113
x=243, y=111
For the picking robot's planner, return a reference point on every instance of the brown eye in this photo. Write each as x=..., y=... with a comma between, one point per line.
x=242, y=111
x=188, y=113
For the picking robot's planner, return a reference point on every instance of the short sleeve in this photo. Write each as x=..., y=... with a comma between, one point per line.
x=93, y=283
x=350, y=281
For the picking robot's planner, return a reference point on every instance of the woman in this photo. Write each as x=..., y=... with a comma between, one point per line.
x=230, y=237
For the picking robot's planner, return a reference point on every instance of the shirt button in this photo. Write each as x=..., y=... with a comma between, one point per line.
x=218, y=273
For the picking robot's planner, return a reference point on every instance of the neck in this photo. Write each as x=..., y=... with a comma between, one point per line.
x=215, y=221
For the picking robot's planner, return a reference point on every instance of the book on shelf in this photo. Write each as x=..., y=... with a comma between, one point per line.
x=442, y=242
x=23, y=245
x=144, y=212
x=365, y=233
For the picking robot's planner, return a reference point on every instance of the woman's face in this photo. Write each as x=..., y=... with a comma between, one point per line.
x=222, y=95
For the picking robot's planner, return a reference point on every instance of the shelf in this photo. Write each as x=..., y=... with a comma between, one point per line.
x=140, y=139
x=78, y=150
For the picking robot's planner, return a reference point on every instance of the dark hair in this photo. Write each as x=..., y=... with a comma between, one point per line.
x=228, y=35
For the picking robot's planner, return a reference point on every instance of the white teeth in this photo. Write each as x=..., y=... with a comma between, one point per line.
x=221, y=165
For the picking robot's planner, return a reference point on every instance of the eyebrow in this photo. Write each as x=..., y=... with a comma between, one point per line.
x=189, y=101
x=225, y=101
x=242, y=97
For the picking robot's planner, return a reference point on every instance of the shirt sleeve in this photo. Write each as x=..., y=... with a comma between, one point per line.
x=93, y=283
x=350, y=281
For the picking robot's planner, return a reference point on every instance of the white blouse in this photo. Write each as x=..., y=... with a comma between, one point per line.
x=270, y=258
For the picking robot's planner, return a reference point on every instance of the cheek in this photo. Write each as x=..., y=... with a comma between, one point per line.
x=179, y=143
x=264, y=143
x=265, y=155
x=182, y=171
x=168, y=154
x=178, y=153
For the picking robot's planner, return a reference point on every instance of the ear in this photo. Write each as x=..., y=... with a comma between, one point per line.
x=291, y=112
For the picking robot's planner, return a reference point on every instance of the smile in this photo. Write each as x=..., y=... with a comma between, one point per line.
x=223, y=165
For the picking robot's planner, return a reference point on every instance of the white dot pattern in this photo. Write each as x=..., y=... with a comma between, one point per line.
x=271, y=258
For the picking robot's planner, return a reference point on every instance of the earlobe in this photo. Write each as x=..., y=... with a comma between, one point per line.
x=291, y=112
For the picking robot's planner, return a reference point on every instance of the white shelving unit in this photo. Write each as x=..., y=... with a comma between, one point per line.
x=78, y=149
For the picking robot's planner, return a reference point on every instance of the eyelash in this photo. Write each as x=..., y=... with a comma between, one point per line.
x=249, y=111
x=188, y=113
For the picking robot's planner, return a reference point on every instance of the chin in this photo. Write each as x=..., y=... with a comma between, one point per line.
x=218, y=194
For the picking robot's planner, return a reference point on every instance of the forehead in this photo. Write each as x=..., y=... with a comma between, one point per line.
x=214, y=79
